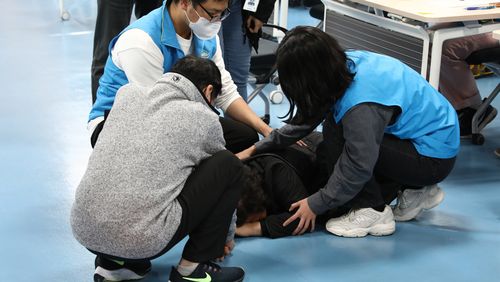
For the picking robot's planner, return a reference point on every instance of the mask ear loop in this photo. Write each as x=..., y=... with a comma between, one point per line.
x=190, y=22
x=208, y=102
x=199, y=17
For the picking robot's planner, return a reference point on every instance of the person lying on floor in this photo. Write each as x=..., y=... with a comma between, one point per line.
x=273, y=182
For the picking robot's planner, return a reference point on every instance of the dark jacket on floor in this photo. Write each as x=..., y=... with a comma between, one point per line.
x=285, y=174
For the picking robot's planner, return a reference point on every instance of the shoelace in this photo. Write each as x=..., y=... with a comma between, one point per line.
x=350, y=216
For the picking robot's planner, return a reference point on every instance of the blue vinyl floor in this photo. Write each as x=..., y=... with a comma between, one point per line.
x=44, y=147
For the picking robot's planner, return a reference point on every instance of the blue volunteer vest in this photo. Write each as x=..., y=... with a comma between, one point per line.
x=427, y=119
x=160, y=28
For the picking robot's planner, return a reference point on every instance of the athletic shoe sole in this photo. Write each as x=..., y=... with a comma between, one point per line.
x=104, y=275
x=232, y=281
x=377, y=230
x=426, y=205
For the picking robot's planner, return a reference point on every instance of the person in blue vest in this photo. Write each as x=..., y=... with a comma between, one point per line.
x=386, y=133
x=148, y=48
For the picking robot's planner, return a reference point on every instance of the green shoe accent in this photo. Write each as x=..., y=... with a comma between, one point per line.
x=206, y=279
x=121, y=263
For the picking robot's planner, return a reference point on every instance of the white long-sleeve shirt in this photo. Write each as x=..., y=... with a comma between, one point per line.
x=136, y=54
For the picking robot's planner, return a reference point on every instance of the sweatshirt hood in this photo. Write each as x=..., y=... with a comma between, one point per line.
x=173, y=86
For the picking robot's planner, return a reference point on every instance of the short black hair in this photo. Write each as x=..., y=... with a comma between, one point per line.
x=253, y=198
x=201, y=72
x=313, y=73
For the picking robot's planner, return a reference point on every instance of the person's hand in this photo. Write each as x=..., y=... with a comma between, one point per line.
x=249, y=229
x=254, y=24
x=266, y=131
x=301, y=143
x=247, y=153
x=228, y=248
x=306, y=215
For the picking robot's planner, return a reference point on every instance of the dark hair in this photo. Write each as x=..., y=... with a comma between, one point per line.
x=201, y=72
x=313, y=73
x=253, y=199
x=195, y=2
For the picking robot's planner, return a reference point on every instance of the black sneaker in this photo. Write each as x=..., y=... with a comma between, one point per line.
x=209, y=272
x=465, y=119
x=111, y=270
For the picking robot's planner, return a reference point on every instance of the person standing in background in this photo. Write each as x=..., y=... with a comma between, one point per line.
x=112, y=17
x=240, y=32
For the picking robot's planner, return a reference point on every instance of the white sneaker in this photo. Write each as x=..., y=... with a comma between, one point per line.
x=359, y=223
x=411, y=202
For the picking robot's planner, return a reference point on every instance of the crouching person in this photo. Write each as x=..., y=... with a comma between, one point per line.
x=386, y=130
x=159, y=172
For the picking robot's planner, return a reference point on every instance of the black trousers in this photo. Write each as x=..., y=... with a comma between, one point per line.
x=208, y=200
x=112, y=17
x=399, y=166
x=238, y=136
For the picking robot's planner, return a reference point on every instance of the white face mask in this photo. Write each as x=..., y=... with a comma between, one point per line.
x=203, y=28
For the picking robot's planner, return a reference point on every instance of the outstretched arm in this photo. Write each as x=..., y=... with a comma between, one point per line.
x=240, y=111
x=279, y=138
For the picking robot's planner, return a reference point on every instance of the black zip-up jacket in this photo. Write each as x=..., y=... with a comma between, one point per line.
x=287, y=177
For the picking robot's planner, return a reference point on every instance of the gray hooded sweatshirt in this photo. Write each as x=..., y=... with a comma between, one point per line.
x=153, y=139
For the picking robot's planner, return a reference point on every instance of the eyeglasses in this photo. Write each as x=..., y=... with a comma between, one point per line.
x=216, y=18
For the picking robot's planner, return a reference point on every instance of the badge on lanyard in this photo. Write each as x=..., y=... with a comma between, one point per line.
x=251, y=5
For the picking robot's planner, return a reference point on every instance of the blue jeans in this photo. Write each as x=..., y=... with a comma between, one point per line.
x=236, y=48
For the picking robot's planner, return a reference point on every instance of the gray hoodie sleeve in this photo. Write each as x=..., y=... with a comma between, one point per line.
x=214, y=140
x=363, y=129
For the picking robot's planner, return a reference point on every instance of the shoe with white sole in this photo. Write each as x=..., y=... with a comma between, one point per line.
x=114, y=270
x=209, y=272
x=361, y=222
x=411, y=202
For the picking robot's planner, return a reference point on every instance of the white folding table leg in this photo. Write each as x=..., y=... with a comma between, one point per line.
x=62, y=12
